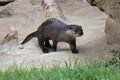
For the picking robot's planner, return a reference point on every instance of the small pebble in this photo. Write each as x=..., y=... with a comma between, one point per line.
x=20, y=47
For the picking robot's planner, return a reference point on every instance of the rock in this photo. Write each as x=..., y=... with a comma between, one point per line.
x=21, y=47
x=51, y=9
x=112, y=9
x=112, y=30
x=8, y=37
x=24, y=16
x=35, y=2
x=18, y=7
x=6, y=33
x=5, y=13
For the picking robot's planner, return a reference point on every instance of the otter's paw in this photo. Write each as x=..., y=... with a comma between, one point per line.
x=75, y=51
x=46, y=51
x=53, y=50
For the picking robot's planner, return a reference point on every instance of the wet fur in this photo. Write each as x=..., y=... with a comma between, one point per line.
x=57, y=31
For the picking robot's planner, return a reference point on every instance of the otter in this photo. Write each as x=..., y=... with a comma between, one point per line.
x=57, y=31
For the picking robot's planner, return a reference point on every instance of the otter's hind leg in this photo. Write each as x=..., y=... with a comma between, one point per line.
x=42, y=46
x=73, y=46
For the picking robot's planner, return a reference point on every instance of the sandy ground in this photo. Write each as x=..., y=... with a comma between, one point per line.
x=92, y=45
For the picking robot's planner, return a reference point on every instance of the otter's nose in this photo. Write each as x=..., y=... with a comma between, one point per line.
x=81, y=33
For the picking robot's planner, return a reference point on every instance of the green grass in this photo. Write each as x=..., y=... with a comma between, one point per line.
x=93, y=71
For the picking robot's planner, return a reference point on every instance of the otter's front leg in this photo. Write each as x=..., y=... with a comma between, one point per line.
x=41, y=44
x=54, y=47
x=73, y=46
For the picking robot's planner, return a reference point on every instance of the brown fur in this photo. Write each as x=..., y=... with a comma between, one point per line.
x=57, y=31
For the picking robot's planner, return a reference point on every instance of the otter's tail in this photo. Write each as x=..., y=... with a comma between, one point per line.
x=29, y=37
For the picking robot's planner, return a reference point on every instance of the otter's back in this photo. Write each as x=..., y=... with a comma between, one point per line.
x=53, y=23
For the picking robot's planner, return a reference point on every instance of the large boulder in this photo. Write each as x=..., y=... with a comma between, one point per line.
x=112, y=9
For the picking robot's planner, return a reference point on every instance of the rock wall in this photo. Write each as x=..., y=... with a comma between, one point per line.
x=112, y=9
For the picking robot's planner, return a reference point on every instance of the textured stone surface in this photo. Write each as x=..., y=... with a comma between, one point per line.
x=112, y=9
x=51, y=9
x=5, y=13
x=6, y=33
x=20, y=7
x=35, y=2
x=8, y=37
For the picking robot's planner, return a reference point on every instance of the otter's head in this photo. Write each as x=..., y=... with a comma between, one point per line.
x=76, y=29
